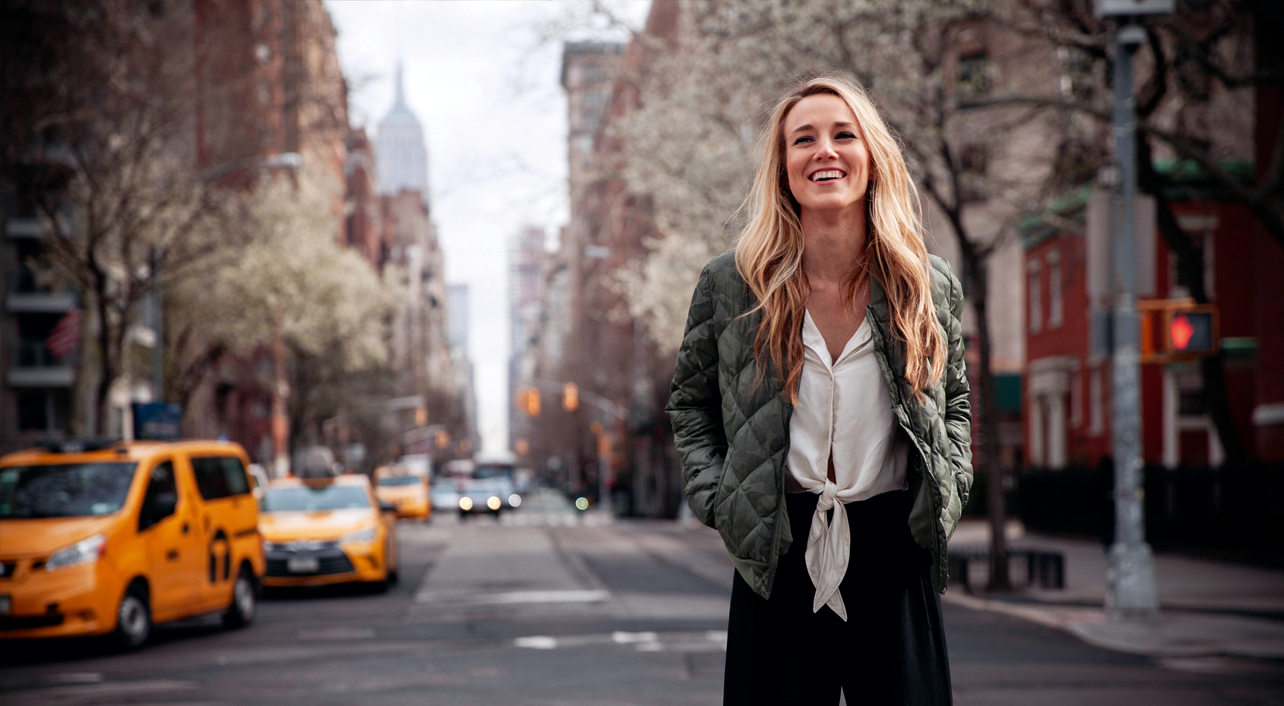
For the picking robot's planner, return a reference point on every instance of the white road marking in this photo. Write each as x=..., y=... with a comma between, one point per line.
x=706, y=641
x=536, y=642
x=337, y=633
x=620, y=637
x=513, y=597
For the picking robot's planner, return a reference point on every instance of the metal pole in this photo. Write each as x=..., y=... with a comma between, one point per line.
x=158, y=392
x=1131, y=578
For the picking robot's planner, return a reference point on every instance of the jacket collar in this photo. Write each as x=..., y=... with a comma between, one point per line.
x=878, y=301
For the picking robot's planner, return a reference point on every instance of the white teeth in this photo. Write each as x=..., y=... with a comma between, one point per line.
x=827, y=174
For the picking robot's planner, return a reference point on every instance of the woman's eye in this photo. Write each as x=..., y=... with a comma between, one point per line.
x=845, y=134
x=801, y=140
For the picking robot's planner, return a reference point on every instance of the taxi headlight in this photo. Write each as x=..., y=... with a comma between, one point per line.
x=83, y=552
x=364, y=536
x=465, y=504
x=493, y=503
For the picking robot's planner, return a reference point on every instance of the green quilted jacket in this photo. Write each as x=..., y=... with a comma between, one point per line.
x=733, y=435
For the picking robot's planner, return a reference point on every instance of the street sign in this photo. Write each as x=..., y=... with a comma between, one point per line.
x=157, y=421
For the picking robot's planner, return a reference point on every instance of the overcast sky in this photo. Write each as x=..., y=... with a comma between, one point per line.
x=485, y=87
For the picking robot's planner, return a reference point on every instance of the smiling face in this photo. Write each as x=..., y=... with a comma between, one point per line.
x=825, y=158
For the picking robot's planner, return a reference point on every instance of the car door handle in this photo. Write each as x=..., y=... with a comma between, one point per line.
x=186, y=528
x=172, y=555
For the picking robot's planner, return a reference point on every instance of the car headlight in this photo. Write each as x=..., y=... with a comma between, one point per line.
x=364, y=536
x=515, y=500
x=465, y=503
x=83, y=552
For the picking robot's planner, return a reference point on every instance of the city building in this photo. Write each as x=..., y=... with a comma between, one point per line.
x=526, y=260
x=271, y=98
x=423, y=358
x=403, y=163
x=465, y=379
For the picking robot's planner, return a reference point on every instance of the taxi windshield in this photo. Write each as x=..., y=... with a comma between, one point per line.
x=305, y=499
x=399, y=480
x=64, y=490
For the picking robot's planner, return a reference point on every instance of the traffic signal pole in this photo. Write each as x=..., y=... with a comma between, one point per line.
x=1131, y=578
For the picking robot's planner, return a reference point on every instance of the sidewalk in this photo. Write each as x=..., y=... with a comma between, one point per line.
x=1207, y=607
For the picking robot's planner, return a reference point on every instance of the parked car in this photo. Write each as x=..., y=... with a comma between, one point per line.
x=109, y=538
x=319, y=531
x=404, y=489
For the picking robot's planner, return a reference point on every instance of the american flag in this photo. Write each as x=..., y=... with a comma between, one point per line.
x=62, y=339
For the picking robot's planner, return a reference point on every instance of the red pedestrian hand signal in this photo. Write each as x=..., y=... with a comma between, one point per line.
x=1181, y=331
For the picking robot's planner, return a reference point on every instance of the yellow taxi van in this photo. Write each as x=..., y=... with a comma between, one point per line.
x=109, y=538
x=321, y=531
x=405, y=490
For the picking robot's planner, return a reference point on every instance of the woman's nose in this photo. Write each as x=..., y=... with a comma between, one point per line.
x=826, y=150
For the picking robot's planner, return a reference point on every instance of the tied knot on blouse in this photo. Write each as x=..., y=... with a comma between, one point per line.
x=844, y=412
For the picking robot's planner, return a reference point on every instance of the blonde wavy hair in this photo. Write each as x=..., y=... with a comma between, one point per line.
x=769, y=253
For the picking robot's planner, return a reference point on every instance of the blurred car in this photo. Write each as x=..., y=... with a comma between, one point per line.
x=488, y=489
x=405, y=490
x=101, y=538
x=320, y=531
x=259, y=475
x=444, y=494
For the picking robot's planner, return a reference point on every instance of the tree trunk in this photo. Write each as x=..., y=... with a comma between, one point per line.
x=989, y=418
x=106, y=364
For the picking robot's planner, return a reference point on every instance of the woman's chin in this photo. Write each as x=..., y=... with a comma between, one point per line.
x=830, y=204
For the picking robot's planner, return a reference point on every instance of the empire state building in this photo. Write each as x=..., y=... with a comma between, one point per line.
x=402, y=158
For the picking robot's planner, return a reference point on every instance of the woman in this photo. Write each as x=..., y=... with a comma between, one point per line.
x=820, y=406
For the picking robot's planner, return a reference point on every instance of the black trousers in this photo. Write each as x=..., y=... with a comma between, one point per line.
x=891, y=650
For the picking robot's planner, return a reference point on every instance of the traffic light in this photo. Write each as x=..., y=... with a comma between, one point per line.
x=1191, y=331
x=1177, y=329
x=570, y=397
x=532, y=401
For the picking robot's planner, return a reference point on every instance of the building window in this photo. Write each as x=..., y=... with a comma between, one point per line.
x=1179, y=283
x=1054, y=289
x=590, y=119
x=972, y=173
x=1096, y=404
x=592, y=74
x=594, y=99
x=1035, y=305
x=586, y=143
x=974, y=74
x=262, y=52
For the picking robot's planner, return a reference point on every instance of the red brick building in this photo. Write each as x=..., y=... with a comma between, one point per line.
x=1067, y=387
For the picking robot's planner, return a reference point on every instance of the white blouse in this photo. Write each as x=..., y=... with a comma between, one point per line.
x=844, y=409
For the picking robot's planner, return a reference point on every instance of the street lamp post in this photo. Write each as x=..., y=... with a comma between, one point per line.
x=1131, y=589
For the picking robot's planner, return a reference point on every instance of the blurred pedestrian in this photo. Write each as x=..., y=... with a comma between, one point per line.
x=820, y=406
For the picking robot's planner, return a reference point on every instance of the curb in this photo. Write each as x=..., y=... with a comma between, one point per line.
x=1164, y=636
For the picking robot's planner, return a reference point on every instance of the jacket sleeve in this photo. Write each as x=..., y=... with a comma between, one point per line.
x=695, y=407
x=958, y=405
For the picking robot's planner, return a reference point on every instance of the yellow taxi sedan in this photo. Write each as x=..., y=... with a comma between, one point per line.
x=324, y=531
x=404, y=490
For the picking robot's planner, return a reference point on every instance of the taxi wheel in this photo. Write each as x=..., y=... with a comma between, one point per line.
x=133, y=618
x=241, y=611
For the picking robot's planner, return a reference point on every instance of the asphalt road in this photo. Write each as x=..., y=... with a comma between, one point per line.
x=553, y=608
